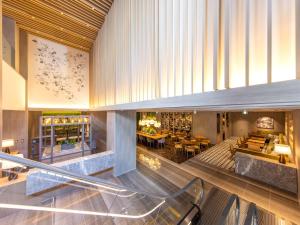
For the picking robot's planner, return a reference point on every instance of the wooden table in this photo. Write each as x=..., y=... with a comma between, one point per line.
x=154, y=137
x=200, y=137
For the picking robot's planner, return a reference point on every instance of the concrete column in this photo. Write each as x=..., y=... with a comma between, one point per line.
x=121, y=138
x=296, y=119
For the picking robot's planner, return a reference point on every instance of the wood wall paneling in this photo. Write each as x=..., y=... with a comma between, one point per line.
x=14, y=127
x=1, y=117
x=33, y=129
x=99, y=132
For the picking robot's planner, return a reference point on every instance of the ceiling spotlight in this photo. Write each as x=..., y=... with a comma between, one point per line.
x=61, y=13
x=245, y=112
x=195, y=112
x=93, y=8
x=32, y=17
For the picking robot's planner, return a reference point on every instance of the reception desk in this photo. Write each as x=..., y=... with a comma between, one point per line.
x=267, y=170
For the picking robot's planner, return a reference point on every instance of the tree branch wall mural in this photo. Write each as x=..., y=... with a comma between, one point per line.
x=58, y=75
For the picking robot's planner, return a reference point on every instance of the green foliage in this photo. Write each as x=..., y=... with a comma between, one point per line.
x=149, y=130
x=62, y=113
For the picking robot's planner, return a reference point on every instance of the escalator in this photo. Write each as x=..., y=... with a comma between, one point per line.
x=81, y=199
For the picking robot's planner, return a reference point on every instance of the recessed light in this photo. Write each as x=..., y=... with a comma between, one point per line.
x=245, y=112
x=195, y=111
x=61, y=13
x=93, y=8
x=32, y=17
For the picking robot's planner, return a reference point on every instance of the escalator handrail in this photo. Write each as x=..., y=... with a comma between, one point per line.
x=91, y=179
x=251, y=215
x=233, y=198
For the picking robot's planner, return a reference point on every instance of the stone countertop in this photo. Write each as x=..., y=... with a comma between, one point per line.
x=291, y=165
x=268, y=171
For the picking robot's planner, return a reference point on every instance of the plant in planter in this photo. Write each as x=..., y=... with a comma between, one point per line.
x=67, y=144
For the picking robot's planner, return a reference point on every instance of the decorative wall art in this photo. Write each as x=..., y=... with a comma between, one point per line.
x=265, y=123
x=58, y=76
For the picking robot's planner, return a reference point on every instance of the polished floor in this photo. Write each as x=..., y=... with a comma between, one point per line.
x=284, y=207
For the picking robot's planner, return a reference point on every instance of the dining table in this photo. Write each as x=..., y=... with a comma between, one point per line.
x=152, y=136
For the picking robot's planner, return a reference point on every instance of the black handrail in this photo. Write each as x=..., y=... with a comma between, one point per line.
x=91, y=179
x=196, y=218
x=233, y=198
x=251, y=218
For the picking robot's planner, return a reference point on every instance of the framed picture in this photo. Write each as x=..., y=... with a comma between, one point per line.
x=265, y=123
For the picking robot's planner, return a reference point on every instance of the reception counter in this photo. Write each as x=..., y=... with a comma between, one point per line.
x=266, y=170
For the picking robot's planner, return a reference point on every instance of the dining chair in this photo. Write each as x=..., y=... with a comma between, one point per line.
x=197, y=148
x=178, y=147
x=161, y=142
x=150, y=142
x=189, y=149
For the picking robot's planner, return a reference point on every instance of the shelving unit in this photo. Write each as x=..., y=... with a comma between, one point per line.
x=59, y=132
x=176, y=121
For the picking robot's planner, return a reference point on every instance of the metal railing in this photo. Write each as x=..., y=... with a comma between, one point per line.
x=226, y=216
x=154, y=201
x=252, y=217
x=195, y=219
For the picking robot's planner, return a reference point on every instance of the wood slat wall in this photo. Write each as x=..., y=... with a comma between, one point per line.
x=157, y=49
x=74, y=23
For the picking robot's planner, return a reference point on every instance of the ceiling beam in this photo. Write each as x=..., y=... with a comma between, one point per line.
x=9, y=11
x=53, y=38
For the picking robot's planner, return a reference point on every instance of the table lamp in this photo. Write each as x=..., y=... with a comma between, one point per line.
x=282, y=150
x=6, y=144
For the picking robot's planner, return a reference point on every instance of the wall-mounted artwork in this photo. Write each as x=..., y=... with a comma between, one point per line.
x=58, y=76
x=265, y=123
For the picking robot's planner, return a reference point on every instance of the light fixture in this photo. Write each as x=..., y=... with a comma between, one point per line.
x=195, y=112
x=93, y=8
x=245, y=112
x=282, y=150
x=7, y=143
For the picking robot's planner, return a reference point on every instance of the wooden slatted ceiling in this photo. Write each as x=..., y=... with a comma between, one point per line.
x=73, y=22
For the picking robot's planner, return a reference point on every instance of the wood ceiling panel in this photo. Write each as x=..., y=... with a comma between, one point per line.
x=74, y=23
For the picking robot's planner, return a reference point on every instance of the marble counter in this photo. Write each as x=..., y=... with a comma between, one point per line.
x=38, y=180
x=269, y=171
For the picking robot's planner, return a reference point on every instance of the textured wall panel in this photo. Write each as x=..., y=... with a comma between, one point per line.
x=158, y=49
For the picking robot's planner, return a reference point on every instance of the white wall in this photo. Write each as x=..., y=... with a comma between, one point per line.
x=205, y=124
x=156, y=49
x=13, y=89
x=244, y=124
